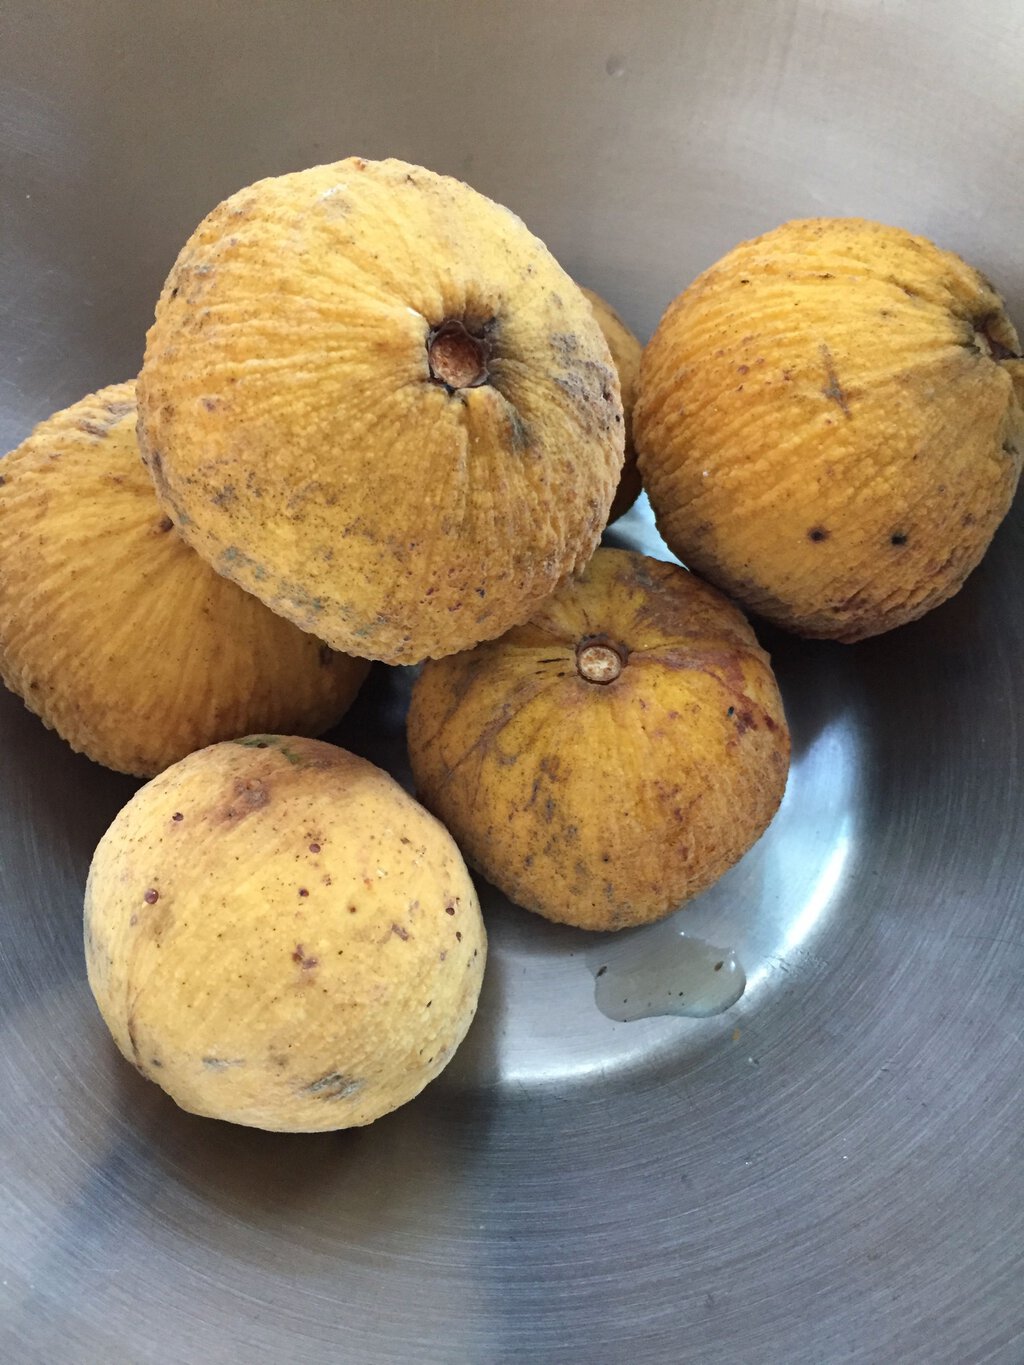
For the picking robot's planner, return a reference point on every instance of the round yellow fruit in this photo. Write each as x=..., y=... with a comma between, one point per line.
x=626, y=351
x=612, y=757
x=114, y=632
x=830, y=425
x=372, y=398
x=278, y=935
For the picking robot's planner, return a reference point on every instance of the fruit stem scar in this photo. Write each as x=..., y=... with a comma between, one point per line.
x=457, y=358
x=599, y=661
x=987, y=341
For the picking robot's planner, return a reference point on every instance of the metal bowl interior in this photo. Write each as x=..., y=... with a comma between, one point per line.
x=829, y=1171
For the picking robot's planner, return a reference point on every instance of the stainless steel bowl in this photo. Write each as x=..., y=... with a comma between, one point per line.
x=832, y=1170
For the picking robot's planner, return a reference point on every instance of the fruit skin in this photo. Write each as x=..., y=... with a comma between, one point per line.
x=278, y=935
x=830, y=425
x=626, y=351
x=114, y=632
x=597, y=804
x=294, y=426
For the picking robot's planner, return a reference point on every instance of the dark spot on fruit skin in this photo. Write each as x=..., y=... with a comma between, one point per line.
x=817, y=533
x=165, y=524
x=314, y=848
x=303, y=891
x=177, y=816
x=152, y=896
x=401, y=932
x=352, y=909
x=458, y=935
x=898, y=538
x=449, y=909
x=518, y=432
x=967, y=519
x=306, y=963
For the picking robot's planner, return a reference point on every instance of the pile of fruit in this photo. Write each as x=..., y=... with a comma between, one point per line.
x=377, y=421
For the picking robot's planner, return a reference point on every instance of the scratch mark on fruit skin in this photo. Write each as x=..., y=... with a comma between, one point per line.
x=133, y=1040
x=332, y=1086
x=833, y=390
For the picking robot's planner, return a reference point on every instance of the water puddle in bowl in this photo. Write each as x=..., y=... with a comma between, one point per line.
x=665, y=972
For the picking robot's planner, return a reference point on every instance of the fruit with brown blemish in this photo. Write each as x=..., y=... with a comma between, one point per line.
x=114, y=632
x=830, y=425
x=282, y=987
x=373, y=398
x=626, y=351
x=612, y=757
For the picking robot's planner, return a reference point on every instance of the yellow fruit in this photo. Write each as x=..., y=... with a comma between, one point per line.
x=114, y=632
x=372, y=398
x=612, y=757
x=829, y=425
x=626, y=351
x=280, y=936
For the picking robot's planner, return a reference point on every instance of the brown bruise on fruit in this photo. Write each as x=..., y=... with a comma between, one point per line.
x=246, y=1000
x=605, y=801
x=626, y=351
x=373, y=399
x=114, y=632
x=829, y=425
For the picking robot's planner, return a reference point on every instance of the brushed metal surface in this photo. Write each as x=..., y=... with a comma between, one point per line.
x=833, y=1170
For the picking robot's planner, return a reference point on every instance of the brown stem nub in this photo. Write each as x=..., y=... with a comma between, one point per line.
x=457, y=358
x=599, y=661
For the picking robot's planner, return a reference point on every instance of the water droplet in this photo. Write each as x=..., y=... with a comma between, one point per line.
x=615, y=65
x=662, y=971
